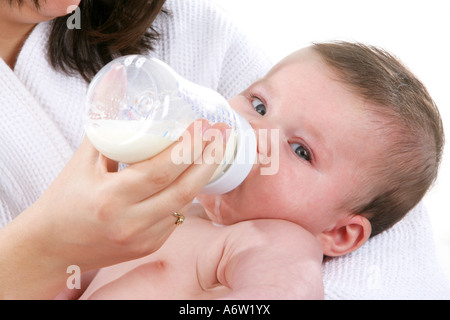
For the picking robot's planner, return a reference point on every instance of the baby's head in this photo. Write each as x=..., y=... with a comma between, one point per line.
x=404, y=116
x=358, y=144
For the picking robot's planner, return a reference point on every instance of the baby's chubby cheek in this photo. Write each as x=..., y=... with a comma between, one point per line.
x=257, y=197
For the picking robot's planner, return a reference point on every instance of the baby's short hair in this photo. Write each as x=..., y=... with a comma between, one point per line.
x=405, y=114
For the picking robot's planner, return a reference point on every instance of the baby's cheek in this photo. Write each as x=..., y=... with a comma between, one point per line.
x=268, y=201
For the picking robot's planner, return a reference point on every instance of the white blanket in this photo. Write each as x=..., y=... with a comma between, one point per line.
x=399, y=263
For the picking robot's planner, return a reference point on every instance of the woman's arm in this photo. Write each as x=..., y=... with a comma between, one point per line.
x=29, y=269
x=93, y=216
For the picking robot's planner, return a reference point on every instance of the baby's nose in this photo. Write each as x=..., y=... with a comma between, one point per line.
x=265, y=138
x=268, y=150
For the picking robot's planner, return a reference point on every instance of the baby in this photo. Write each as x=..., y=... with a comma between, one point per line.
x=360, y=142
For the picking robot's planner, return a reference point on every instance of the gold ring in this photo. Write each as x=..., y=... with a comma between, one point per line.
x=180, y=218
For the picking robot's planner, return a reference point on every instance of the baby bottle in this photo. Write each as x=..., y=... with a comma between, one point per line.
x=137, y=106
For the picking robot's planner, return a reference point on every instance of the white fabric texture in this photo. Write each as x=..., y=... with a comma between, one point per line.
x=399, y=263
x=42, y=125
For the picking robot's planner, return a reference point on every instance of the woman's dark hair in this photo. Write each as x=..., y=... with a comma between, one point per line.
x=109, y=29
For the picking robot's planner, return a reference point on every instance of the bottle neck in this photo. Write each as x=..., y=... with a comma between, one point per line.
x=244, y=159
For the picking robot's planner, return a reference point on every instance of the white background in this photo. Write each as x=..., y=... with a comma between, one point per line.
x=418, y=32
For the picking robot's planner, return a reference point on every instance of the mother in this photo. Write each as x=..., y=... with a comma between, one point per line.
x=61, y=203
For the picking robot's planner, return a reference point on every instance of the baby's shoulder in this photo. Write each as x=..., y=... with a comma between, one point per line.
x=271, y=235
x=244, y=253
x=256, y=253
x=251, y=233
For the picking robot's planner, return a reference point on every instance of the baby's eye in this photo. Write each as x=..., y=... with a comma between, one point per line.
x=301, y=151
x=259, y=106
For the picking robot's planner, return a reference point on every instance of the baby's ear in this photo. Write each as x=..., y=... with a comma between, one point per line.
x=348, y=235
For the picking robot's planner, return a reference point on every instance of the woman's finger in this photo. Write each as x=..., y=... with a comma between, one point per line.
x=187, y=185
x=141, y=180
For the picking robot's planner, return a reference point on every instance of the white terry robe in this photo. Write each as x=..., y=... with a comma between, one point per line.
x=41, y=125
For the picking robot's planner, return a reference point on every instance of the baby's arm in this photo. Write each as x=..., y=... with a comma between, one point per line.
x=271, y=259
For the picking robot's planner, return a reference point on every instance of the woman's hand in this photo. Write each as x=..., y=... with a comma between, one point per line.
x=93, y=216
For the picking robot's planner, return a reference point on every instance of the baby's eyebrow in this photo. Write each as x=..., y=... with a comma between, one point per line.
x=264, y=86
